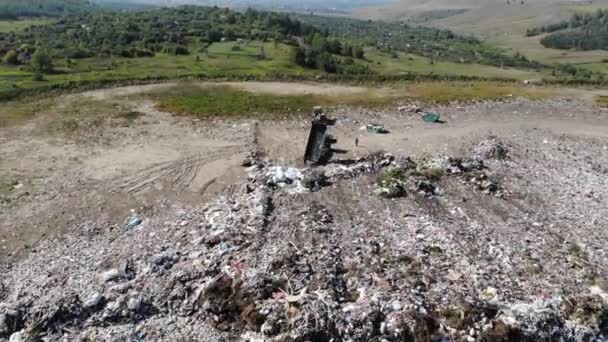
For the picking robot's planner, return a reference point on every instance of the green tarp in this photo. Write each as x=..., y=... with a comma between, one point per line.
x=431, y=117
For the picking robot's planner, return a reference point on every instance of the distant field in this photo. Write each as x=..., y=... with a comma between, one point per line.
x=12, y=25
x=411, y=63
x=278, y=60
x=596, y=67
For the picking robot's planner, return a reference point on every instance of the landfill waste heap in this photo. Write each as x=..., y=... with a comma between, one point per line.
x=380, y=248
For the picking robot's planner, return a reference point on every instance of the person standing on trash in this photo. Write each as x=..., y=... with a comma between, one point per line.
x=357, y=142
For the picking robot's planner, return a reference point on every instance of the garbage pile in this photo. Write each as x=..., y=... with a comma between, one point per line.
x=424, y=177
x=331, y=262
x=296, y=180
x=491, y=148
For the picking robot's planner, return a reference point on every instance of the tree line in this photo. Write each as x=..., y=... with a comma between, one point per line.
x=177, y=31
x=331, y=55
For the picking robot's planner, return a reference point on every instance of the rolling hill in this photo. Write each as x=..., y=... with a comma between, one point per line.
x=502, y=22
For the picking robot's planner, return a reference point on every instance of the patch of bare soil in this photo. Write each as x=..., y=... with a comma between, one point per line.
x=105, y=171
x=451, y=236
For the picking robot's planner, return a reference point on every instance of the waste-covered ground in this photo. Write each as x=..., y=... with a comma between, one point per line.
x=495, y=237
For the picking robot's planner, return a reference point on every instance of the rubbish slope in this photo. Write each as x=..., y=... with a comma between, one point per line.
x=503, y=243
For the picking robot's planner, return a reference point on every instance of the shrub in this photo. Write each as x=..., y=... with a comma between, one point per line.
x=11, y=58
x=41, y=61
x=38, y=77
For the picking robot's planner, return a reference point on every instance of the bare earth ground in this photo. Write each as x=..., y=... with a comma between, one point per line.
x=460, y=248
x=107, y=173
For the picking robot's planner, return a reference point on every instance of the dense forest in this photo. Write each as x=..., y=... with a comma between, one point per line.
x=13, y=9
x=588, y=31
x=429, y=42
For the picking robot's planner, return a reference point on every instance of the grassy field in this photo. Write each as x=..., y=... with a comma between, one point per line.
x=277, y=60
x=250, y=59
x=411, y=63
x=211, y=102
x=249, y=48
x=18, y=25
x=596, y=67
x=208, y=102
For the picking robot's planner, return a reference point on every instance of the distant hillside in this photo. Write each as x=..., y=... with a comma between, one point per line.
x=582, y=32
x=11, y=9
x=429, y=42
x=500, y=22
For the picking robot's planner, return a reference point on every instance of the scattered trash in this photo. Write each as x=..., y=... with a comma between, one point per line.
x=282, y=176
x=21, y=336
x=93, y=301
x=342, y=264
x=134, y=220
x=249, y=159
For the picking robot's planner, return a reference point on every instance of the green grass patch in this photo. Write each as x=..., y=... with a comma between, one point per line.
x=7, y=186
x=392, y=174
x=602, y=101
x=16, y=112
x=245, y=48
x=445, y=92
x=596, y=67
x=224, y=101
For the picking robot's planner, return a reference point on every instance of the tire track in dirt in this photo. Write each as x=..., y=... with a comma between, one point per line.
x=180, y=174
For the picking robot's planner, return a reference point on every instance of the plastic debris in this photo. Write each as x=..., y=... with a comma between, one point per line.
x=431, y=117
x=377, y=129
x=134, y=220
